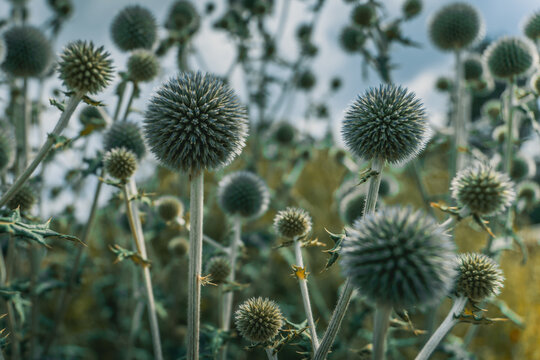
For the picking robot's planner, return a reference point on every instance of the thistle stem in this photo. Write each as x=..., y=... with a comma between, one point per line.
x=460, y=133
x=195, y=265
x=380, y=329
x=345, y=297
x=449, y=322
x=270, y=354
x=12, y=322
x=509, y=118
x=130, y=101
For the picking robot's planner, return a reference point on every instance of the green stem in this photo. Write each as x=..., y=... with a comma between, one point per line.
x=270, y=354
x=380, y=329
x=12, y=322
x=460, y=130
x=119, y=104
x=509, y=117
x=130, y=101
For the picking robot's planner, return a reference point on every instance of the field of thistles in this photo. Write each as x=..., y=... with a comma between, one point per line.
x=269, y=179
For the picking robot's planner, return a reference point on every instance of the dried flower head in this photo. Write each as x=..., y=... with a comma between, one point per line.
x=90, y=115
x=127, y=135
x=258, y=319
x=292, y=223
x=134, y=27
x=169, y=208
x=399, y=257
x=483, y=190
x=455, y=26
x=219, y=269
x=351, y=206
x=387, y=122
x=195, y=122
x=120, y=163
x=24, y=199
x=142, y=66
x=363, y=14
x=243, y=193
x=28, y=52
x=473, y=67
x=478, y=276
x=531, y=28
x=352, y=38
x=511, y=57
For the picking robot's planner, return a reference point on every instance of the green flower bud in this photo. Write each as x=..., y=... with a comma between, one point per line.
x=352, y=38
x=243, y=193
x=479, y=277
x=28, y=52
x=473, y=67
x=170, y=208
x=134, y=27
x=258, y=320
x=127, y=135
x=143, y=66
x=363, y=14
x=120, y=163
x=219, y=269
x=24, y=199
x=292, y=223
x=510, y=57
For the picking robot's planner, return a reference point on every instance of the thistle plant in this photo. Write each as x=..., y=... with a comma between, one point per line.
x=143, y=66
x=120, y=163
x=125, y=134
x=170, y=208
x=219, y=269
x=134, y=28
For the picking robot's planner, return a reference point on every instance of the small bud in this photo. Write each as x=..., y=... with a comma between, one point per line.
x=143, y=66
x=351, y=206
x=90, y=115
x=473, y=67
x=531, y=29
x=363, y=14
x=511, y=57
x=411, y=8
x=180, y=245
x=120, y=163
x=24, y=199
x=352, y=38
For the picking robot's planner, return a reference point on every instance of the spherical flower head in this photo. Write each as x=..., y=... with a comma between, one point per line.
x=195, y=122
x=120, y=163
x=510, y=57
x=244, y=194
x=24, y=199
x=62, y=8
x=478, y=276
x=455, y=26
x=134, y=27
x=284, y=133
x=444, y=84
x=292, y=223
x=483, y=190
x=258, y=320
x=90, y=115
x=411, y=8
x=528, y=191
x=399, y=257
x=523, y=167
x=363, y=14
x=84, y=68
x=143, y=66
x=531, y=29
x=352, y=38
x=305, y=80
x=28, y=52
x=473, y=67
x=351, y=206
x=499, y=134
x=179, y=244
x=535, y=83
x=127, y=135
x=6, y=150
x=492, y=109
x=183, y=17
x=169, y=208
x=219, y=269
x=387, y=122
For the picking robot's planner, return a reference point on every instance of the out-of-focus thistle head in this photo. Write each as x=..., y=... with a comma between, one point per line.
x=492, y=109
x=258, y=320
x=292, y=223
x=444, y=84
x=169, y=208
x=499, y=134
x=473, y=67
x=24, y=199
x=90, y=115
x=183, y=17
x=411, y=8
x=195, y=122
x=62, y=8
x=284, y=133
x=511, y=57
x=363, y=14
x=387, y=122
x=120, y=163
x=219, y=269
x=352, y=38
x=535, y=82
x=528, y=191
x=258, y=7
x=134, y=27
x=455, y=26
x=399, y=257
x=531, y=28
x=243, y=193
x=125, y=134
x=523, y=167
x=483, y=190
x=84, y=68
x=142, y=66
x=28, y=53
x=351, y=206
x=305, y=80
x=6, y=150
x=179, y=244
x=478, y=276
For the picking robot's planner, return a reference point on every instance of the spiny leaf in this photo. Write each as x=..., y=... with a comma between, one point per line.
x=334, y=252
x=365, y=175
x=88, y=100
x=56, y=104
x=122, y=254
x=312, y=243
x=15, y=297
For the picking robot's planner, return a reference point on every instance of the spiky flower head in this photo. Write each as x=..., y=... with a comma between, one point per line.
x=292, y=223
x=284, y=133
x=352, y=38
x=535, y=83
x=478, y=276
x=455, y=26
x=363, y=14
x=483, y=190
x=523, y=167
x=351, y=206
x=492, y=108
x=444, y=84
x=258, y=319
x=531, y=29
x=90, y=115
x=142, y=66
x=84, y=68
x=120, y=163
x=499, y=134
x=179, y=244
x=24, y=199
x=125, y=134
x=399, y=257
x=473, y=67
x=169, y=207
x=28, y=52
x=510, y=57
x=529, y=191
x=183, y=17
x=134, y=27
x=195, y=122
x=219, y=269
x=243, y=193
x=6, y=150
x=387, y=122
x=411, y=8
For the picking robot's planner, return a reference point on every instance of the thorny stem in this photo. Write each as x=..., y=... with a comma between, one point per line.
x=60, y=126
x=345, y=297
x=195, y=265
x=449, y=322
x=380, y=329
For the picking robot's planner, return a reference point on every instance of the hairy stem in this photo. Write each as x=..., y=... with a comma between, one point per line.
x=380, y=329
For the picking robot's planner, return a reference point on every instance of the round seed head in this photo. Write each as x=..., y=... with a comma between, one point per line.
x=195, y=122
x=411, y=8
x=90, y=115
x=134, y=27
x=399, y=257
x=478, y=276
x=219, y=269
x=529, y=191
x=535, y=83
x=455, y=26
x=284, y=133
x=363, y=14
x=258, y=319
x=24, y=199
x=387, y=122
x=180, y=245
x=531, y=29
x=473, y=67
x=492, y=109
x=142, y=66
x=352, y=207
x=510, y=57
x=523, y=167
x=483, y=190
x=352, y=38
x=170, y=208
x=292, y=223
x=84, y=68
x=120, y=163
x=183, y=17
x=127, y=135
x=6, y=150
x=444, y=84
x=243, y=193
x=305, y=80
x=28, y=52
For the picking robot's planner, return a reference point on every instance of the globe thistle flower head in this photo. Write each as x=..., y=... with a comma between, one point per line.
x=143, y=66
x=28, y=53
x=363, y=14
x=411, y=8
x=523, y=167
x=455, y=26
x=127, y=135
x=528, y=191
x=183, y=17
x=134, y=27
x=195, y=122
x=120, y=163
x=62, y=8
x=292, y=223
x=90, y=115
x=511, y=57
x=443, y=84
x=84, y=68
x=24, y=199
x=169, y=208
x=483, y=190
x=478, y=276
x=179, y=244
x=219, y=269
x=352, y=38
x=531, y=27
x=258, y=320
x=499, y=134
x=284, y=133
x=244, y=194
x=351, y=206
x=535, y=83
x=305, y=80
x=387, y=122
x=6, y=150
x=492, y=109
x=473, y=67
